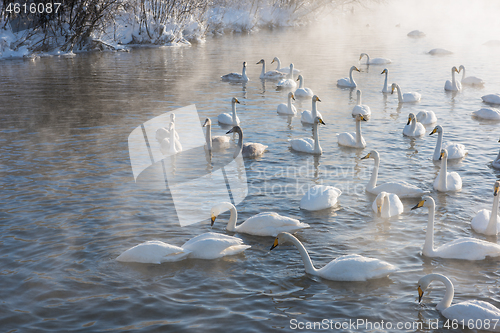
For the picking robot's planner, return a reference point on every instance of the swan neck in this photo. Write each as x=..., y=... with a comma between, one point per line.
x=279, y=64
x=244, y=72
x=317, y=147
x=413, y=125
x=358, y=131
x=453, y=83
x=263, y=72
x=442, y=183
x=358, y=101
x=172, y=141
x=449, y=293
x=240, y=143
x=463, y=74
x=400, y=95
x=289, y=103
x=209, y=136
x=301, y=82
x=491, y=229
x=314, y=112
x=429, y=234
x=373, y=180
x=439, y=142
x=303, y=253
x=233, y=107
x=385, y=82
x=350, y=76
x=231, y=225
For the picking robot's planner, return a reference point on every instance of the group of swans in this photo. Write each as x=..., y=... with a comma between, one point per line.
x=478, y=312
x=168, y=138
x=489, y=113
x=277, y=74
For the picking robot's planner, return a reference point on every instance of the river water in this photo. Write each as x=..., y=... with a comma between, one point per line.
x=69, y=204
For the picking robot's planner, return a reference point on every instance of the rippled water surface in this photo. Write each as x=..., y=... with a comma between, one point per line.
x=69, y=204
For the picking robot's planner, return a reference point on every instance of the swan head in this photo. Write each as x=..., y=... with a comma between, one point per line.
x=244, y=64
x=235, y=100
x=394, y=86
x=362, y=55
x=299, y=78
x=218, y=209
x=444, y=154
x=385, y=71
x=280, y=239
x=423, y=284
x=358, y=92
x=379, y=201
x=262, y=61
x=316, y=99
x=171, y=127
x=172, y=117
x=454, y=69
x=427, y=201
x=360, y=117
x=318, y=120
x=208, y=122
x=373, y=154
x=437, y=129
x=411, y=117
x=354, y=68
x=291, y=95
x=496, y=188
x=275, y=59
x=235, y=129
x=460, y=68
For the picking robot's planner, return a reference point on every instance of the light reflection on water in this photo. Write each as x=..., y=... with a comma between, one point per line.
x=69, y=204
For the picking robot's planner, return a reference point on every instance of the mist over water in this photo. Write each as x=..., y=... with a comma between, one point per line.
x=69, y=205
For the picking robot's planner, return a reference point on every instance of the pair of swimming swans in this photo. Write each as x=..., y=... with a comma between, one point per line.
x=454, y=150
x=480, y=313
x=346, y=268
x=270, y=75
x=401, y=189
x=462, y=248
x=285, y=70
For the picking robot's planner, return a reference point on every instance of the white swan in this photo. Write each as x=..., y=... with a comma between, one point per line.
x=470, y=80
x=205, y=246
x=387, y=204
x=453, y=85
x=374, y=61
x=491, y=98
x=402, y=189
x=477, y=312
x=426, y=117
x=307, y=116
x=270, y=75
x=416, y=34
x=230, y=119
x=455, y=150
x=439, y=52
x=262, y=224
x=164, y=133
x=303, y=92
x=348, y=81
x=285, y=70
x=410, y=97
x=320, y=197
x=288, y=108
x=487, y=114
x=386, y=89
x=447, y=181
x=346, y=268
x=170, y=146
x=413, y=128
x=353, y=139
x=361, y=108
x=288, y=83
x=462, y=248
x=486, y=221
x=236, y=77
x=217, y=142
x=496, y=162
x=308, y=145
x=249, y=149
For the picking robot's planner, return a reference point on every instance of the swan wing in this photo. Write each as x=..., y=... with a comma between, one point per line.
x=401, y=189
x=468, y=249
x=347, y=139
x=475, y=311
x=491, y=98
x=251, y=149
x=487, y=113
x=305, y=145
x=455, y=150
x=426, y=117
x=232, y=77
x=473, y=81
x=212, y=245
x=270, y=224
x=287, y=83
x=304, y=92
x=273, y=75
x=320, y=197
x=345, y=82
x=153, y=252
x=356, y=268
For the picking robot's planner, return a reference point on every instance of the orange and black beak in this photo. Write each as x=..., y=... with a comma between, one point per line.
x=274, y=244
x=420, y=294
x=213, y=220
x=496, y=191
x=433, y=131
x=419, y=205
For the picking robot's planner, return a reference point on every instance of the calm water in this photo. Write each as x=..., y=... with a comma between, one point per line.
x=69, y=204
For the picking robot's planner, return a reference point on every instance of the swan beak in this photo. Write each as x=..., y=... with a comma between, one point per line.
x=356, y=68
x=362, y=118
x=433, y=131
x=274, y=244
x=230, y=131
x=367, y=156
x=441, y=156
x=420, y=294
x=236, y=100
x=206, y=122
x=318, y=100
x=213, y=220
x=272, y=61
x=321, y=121
x=392, y=91
x=419, y=205
x=383, y=72
x=293, y=96
x=496, y=191
x=456, y=70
